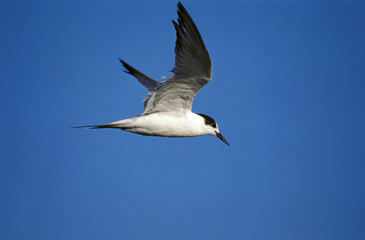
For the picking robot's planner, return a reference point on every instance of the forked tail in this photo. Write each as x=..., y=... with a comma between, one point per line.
x=122, y=124
x=100, y=126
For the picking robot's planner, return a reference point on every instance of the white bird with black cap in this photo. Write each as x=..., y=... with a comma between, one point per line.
x=168, y=104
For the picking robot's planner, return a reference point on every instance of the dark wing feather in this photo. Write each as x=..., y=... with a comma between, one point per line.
x=191, y=56
x=149, y=83
x=192, y=70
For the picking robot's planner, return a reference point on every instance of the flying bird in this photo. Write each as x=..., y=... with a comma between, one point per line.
x=167, y=108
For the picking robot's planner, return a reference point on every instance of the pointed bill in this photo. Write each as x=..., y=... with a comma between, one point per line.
x=222, y=138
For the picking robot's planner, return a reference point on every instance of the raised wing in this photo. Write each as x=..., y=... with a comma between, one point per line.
x=192, y=70
x=149, y=83
x=191, y=56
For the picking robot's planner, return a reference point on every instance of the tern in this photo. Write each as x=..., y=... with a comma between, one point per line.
x=167, y=108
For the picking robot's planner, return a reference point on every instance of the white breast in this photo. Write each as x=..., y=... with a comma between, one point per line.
x=168, y=124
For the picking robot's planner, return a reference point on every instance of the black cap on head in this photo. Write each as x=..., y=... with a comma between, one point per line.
x=208, y=120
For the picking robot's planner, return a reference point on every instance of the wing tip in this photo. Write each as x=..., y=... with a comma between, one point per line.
x=129, y=68
x=126, y=65
x=180, y=6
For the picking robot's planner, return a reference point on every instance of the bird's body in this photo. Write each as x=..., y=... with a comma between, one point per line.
x=164, y=124
x=168, y=104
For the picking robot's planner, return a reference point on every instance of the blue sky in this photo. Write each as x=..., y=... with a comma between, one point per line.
x=287, y=92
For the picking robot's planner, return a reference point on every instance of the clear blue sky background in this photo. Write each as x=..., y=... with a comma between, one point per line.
x=288, y=93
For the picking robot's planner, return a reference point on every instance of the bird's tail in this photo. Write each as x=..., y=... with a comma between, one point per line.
x=109, y=125
x=122, y=124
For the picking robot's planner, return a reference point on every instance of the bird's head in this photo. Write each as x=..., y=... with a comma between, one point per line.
x=212, y=127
